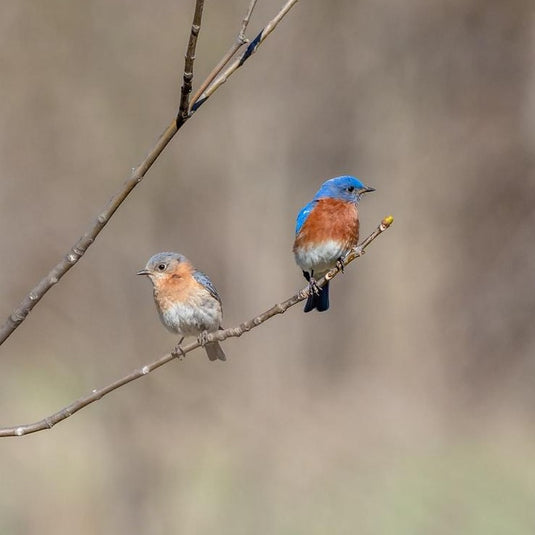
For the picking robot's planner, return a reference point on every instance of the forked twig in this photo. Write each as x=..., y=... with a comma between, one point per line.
x=20, y=313
x=280, y=308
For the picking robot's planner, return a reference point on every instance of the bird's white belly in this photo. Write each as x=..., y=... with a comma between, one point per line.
x=191, y=320
x=320, y=257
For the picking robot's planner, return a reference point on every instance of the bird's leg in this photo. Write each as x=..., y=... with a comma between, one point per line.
x=340, y=264
x=313, y=287
x=178, y=350
x=202, y=338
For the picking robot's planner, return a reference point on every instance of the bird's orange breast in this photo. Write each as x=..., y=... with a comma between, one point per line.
x=176, y=287
x=331, y=219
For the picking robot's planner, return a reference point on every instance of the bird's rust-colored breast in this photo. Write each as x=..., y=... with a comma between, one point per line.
x=331, y=219
x=177, y=286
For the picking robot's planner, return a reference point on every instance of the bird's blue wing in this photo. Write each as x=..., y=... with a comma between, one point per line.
x=203, y=279
x=302, y=215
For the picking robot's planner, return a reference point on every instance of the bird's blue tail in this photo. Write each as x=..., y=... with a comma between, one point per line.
x=318, y=301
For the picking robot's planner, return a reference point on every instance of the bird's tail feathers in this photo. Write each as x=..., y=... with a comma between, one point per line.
x=215, y=351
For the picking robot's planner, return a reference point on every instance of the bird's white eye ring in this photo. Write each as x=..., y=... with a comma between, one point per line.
x=161, y=267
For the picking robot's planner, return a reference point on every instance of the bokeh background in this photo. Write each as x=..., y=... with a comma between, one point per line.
x=409, y=406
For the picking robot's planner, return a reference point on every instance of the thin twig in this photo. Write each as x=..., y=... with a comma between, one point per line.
x=280, y=308
x=238, y=43
x=20, y=313
x=245, y=21
x=250, y=50
x=185, y=91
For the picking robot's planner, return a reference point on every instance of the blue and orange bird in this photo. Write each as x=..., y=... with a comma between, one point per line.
x=186, y=299
x=326, y=230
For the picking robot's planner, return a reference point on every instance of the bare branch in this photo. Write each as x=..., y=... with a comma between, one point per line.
x=19, y=314
x=185, y=91
x=280, y=308
x=240, y=41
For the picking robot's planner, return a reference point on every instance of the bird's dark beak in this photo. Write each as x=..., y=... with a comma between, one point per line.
x=143, y=272
x=367, y=189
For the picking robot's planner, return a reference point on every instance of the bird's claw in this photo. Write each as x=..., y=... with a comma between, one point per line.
x=340, y=265
x=313, y=286
x=203, y=338
x=178, y=352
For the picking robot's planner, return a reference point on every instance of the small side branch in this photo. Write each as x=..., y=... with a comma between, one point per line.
x=238, y=43
x=185, y=91
x=246, y=326
x=235, y=65
x=245, y=21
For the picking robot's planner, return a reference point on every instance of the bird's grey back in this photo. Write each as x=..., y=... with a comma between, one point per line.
x=203, y=279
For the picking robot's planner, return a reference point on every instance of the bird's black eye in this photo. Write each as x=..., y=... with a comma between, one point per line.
x=161, y=267
x=351, y=189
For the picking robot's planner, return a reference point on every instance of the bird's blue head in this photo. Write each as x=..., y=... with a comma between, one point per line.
x=347, y=188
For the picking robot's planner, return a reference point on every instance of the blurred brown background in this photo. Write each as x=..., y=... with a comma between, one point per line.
x=409, y=406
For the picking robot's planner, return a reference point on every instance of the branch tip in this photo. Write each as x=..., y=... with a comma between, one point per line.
x=387, y=221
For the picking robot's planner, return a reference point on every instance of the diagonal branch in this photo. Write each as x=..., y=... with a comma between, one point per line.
x=280, y=308
x=20, y=313
x=188, y=64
